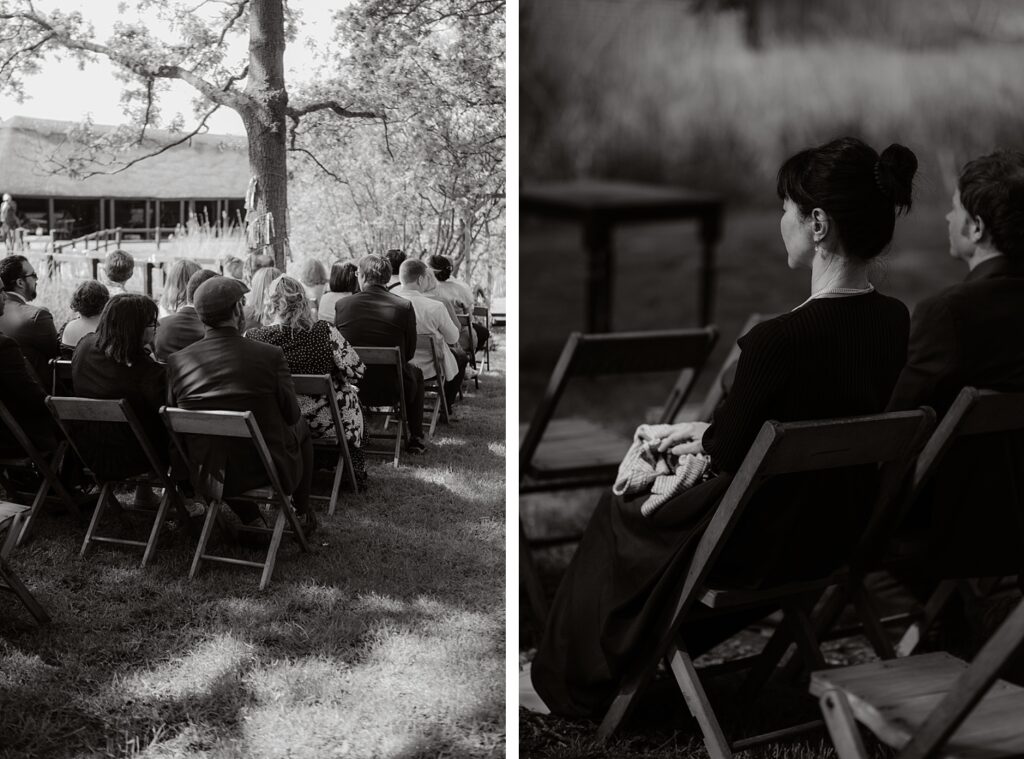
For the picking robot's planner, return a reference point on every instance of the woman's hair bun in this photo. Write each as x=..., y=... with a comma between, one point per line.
x=894, y=173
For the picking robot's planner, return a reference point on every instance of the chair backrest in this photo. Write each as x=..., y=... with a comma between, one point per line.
x=61, y=373
x=18, y=433
x=618, y=354
x=320, y=385
x=430, y=343
x=717, y=390
x=483, y=311
x=374, y=356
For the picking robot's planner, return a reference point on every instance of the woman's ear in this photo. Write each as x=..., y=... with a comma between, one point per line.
x=819, y=224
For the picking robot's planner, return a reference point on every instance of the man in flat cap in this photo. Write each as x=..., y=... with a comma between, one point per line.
x=224, y=371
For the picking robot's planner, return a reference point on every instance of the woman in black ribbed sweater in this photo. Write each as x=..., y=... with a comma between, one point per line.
x=837, y=354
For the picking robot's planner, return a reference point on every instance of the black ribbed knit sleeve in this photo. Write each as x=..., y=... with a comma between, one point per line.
x=763, y=371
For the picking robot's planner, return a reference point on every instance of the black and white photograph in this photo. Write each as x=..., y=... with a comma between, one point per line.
x=771, y=378
x=252, y=378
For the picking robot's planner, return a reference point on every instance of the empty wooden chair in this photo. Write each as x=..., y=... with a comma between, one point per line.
x=323, y=385
x=46, y=467
x=778, y=450
x=70, y=413
x=483, y=312
x=931, y=705
x=387, y=357
x=11, y=515
x=234, y=425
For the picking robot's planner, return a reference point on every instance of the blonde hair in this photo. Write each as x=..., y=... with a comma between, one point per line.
x=262, y=280
x=289, y=302
x=313, y=273
x=173, y=296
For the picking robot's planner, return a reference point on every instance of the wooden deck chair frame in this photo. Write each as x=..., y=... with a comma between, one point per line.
x=10, y=522
x=235, y=425
x=964, y=696
x=66, y=411
x=485, y=313
x=375, y=356
x=778, y=449
x=61, y=370
x=435, y=384
x=323, y=385
x=47, y=469
x=466, y=323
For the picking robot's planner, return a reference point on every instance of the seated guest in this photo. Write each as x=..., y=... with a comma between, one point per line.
x=836, y=354
x=257, y=305
x=113, y=362
x=343, y=283
x=87, y=301
x=313, y=277
x=465, y=343
x=226, y=372
x=31, y=326
x=233, y=267
x=253, y=263
x=173, y=296
x=23, y=396
x=432, y=319
x=374, y=318
x=968, y=335
x=312, y=346
x=395, y=258
x=183, y=327
x=459, y=294
x=119, y=268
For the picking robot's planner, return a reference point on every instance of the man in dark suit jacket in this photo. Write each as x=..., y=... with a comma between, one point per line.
x=970, y=334
x=31, y=326
x=376, y=318
x=184, y=327
x=225, y=371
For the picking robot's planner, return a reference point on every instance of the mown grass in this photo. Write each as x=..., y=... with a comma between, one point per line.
x=387, y=641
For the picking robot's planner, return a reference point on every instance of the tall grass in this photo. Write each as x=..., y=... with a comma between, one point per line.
x=650, y=90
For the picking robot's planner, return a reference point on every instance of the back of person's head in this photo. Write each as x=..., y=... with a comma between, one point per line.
x=312, y=273
x=195, y=280
x=258, y=299
x=411, y=270
x=992, y=189
x=395, y=257
x=442, y=266
x=343, y=278
x=375, y=269
x=429, y=283
x=119, y=266
x=122, y=324
x=11, y=270
x=289, y=302
x=233, y=266
x=7, y=196
x=89, y=298
x=174, y=295
x=860, y=190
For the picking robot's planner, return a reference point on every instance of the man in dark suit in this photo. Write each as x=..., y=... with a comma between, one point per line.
x=225, y=371
x=31, y=326
x=970, y=334
x=184, y=327
x=377, y=318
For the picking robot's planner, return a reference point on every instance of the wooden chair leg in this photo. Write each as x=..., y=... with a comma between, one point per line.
x=842, y=726
x=933, y=607
x=873, y=628
x=622, y=704
x=275, y=543
x=14, y=583
x=339, y=470
x=13, y=531
x=97, y=514
x=158, y=523
x=697, y=701
x=800, y=627
x=767, y=661
x=204, y=537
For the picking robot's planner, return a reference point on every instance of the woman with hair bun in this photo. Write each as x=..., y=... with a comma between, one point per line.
x=836, y=354
x=314, y=346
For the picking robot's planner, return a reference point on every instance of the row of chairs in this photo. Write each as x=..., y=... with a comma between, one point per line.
x=899, y=443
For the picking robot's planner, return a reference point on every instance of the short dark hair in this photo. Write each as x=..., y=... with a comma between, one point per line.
x=992, y=189
x=375, y=269
x=442, y=266
x=860, y=190
x=412, y=269
x=233, y=266
x=395, y=257
x=195, y=280
x=12, y=268
x=119, y=266
x=89, y=298
x=343, y=278
x=124, y=319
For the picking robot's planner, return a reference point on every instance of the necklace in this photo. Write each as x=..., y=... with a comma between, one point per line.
x=837, y=292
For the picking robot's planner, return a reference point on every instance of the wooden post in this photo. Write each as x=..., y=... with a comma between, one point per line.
x=157, y=225
x=49, y=209
x=102, y=219
x=94, y=264
x=149, y=278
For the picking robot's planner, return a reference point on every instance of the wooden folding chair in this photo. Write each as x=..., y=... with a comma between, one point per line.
x=931, y=705
x=483, y=312
x=10, y=523
x=780, y=449
x=71, y=411
x=234, y=425
x=61, y=369
x=466, y=324
x=323, y=385
x=384, y=357
x=434, y=385
x=47, y=469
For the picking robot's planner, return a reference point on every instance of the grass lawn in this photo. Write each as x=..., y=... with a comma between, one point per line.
x=388, y=641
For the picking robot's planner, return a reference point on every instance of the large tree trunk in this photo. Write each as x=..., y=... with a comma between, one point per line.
x=265, y=125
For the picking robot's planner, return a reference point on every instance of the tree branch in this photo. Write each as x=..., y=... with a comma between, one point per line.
x=227, y=27
x=29, y=49
x=330, y=105
x=149, y=111
x=315, y=160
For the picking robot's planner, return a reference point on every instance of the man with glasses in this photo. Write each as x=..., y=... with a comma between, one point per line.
x=31, y=326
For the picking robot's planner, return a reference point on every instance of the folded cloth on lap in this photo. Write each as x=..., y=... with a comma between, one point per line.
x=663, y=475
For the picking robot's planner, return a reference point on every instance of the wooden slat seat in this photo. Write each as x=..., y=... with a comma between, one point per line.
x=577, y=447
x=729, y=598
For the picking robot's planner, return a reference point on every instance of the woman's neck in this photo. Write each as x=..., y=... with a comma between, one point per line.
x=838, y=271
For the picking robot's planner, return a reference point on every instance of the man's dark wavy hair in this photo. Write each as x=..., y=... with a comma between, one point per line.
x=992, y=189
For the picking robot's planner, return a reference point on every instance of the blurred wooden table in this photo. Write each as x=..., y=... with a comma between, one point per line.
x=601, y=205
